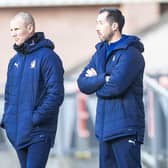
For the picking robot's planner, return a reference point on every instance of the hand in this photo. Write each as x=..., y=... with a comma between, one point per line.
x=91, y=72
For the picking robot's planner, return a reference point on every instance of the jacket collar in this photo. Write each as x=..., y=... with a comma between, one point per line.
x=34, y=43
x=123, y=43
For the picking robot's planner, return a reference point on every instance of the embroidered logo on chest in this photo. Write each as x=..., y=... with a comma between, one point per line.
x=33, y=64
x=16, y=64
x=114, y=57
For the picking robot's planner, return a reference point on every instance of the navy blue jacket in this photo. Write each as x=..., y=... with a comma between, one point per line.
x=120, y=110
x=34, y=91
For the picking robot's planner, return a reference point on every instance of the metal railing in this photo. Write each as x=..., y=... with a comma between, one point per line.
x=77, y=116
x=155, y=148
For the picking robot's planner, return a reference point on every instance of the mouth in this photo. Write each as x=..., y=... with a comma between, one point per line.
x=16, y=39
x=100, y=36
x=98, y=33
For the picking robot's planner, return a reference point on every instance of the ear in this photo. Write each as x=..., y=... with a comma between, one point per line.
x=30, y=28
x=115, y=26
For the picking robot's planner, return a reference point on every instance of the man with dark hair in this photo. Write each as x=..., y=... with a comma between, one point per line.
x=34, y=92
x=115, y=74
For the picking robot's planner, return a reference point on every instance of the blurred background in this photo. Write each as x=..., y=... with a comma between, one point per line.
x=70, y=24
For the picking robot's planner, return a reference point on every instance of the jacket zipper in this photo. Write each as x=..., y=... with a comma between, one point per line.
x=103, y=116
x=23, y=58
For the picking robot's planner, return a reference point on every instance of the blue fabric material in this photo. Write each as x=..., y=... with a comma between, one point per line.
x=110, y=47
x=120, y=153
x=34, y=91
x=120, y=110
x=35, y=155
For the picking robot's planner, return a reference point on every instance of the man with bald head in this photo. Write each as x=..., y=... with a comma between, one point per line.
x=33, y=94
x=24, y=24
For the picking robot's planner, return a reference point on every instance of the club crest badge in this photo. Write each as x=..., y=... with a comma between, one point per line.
x=33, y=64
x=114, y=57
x=16, y=64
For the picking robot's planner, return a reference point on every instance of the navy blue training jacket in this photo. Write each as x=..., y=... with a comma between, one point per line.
x=120, y=109
x=34, y=91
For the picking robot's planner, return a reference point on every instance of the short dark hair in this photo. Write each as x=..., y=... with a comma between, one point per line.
x=114, y=15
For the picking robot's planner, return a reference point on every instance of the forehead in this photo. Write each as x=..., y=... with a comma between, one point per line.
x=17, y=22
x=102, y=16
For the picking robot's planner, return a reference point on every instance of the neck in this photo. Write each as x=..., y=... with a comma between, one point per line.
x=115, y=38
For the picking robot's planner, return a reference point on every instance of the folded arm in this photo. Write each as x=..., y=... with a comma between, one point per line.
x=89, y=80
x=122, y=75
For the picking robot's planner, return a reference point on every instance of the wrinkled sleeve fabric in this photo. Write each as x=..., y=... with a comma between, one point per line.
x=52, y=72
x=6, y=95
x=89, y=85
x=130, y=64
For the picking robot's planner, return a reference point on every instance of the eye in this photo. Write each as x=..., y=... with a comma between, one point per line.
x=16, y=29
x=100, y=23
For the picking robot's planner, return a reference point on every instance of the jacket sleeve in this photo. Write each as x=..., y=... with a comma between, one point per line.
x=89, y=85
x=6, y=94
x=5, y=104
x=52, y=72
x=130, y=64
